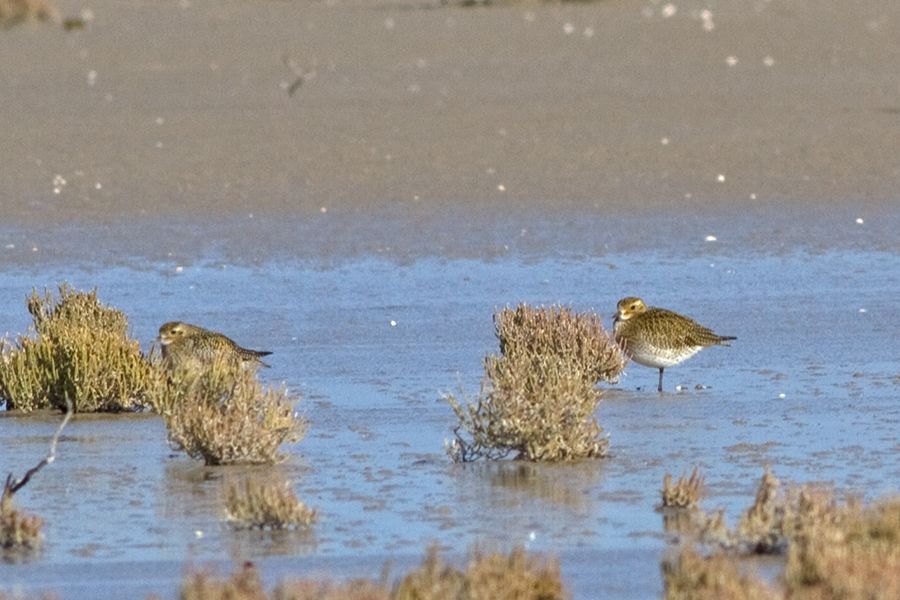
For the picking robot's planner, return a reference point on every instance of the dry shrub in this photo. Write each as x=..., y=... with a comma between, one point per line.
x=224, y=415
x=539, y=395
x=684, y=493
x=82, y=352
x=834, y=550
x=261, y=505
x=244, y=584
x=516, y=576
x=13, y=12
x=773, y=521
x=19, y=532
x=850, y=552
x=690, y=576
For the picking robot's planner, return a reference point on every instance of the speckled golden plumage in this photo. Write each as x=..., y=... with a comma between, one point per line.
x=656, y=337
x=183, y=343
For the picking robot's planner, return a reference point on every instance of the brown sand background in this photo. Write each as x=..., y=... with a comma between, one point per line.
x=166, y=114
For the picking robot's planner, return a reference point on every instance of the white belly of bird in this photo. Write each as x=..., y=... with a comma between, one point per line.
x=663, y=357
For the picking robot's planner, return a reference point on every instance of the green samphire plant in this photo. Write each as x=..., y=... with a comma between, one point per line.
x=80, y=351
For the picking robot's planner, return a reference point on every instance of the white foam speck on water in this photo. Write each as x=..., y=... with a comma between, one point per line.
x=501, y=187
x=92, y=77
x=710, y=238
x=720, y=178
x=782, y=396
x=588, y=32
x=863, y=311
x=668, y=10
x=664, y=141
x=10, y=246
x=179, y=269
x=768, y=61
x=859, y=221
x=323, y=210
x=568, y=28
x=198, y=533
x=707, y=17
x=753, y=196
x=393, y=323
x=731, y=61
x=98, y=186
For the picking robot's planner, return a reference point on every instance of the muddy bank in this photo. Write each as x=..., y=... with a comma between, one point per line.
x=182, y=111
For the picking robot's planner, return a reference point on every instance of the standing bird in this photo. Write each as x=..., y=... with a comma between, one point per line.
x=656, y=337
x=184, y=344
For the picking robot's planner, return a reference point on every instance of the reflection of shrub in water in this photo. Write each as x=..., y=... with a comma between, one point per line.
x=833, y=549
x=261, y=505
x=516, y=576
x=81, y=351
x=223, y=415
x=684, y=493
x=19, y=531
x=13, y=12
x=539, y=395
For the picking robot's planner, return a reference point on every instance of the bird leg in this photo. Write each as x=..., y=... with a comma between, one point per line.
x=660, y=379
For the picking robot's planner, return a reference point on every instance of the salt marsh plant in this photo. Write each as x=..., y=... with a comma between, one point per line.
x=516, y=576
x=13, y=12
x=539, y=394
x=224, y=415
x=81, y=352
x=257, y=504
x=833, y=549
x=684, y=493
x=691, y=576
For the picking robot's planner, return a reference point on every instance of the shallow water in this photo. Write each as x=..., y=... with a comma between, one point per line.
x=809, y=388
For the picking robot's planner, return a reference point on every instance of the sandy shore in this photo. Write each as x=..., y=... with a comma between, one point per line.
x=175, y=115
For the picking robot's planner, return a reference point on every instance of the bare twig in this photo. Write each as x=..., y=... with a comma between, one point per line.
x=11, y=486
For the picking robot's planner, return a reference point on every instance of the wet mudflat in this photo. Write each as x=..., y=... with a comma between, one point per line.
x=810, y=389
x=438, y=163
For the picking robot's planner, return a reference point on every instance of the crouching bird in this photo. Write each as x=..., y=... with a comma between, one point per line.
x=184, y=344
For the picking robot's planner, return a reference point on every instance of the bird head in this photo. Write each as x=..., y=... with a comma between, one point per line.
x=173, y=330
x=629, y=307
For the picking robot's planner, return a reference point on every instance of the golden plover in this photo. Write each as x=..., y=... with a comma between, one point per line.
x=183, y=344
x=656, y=337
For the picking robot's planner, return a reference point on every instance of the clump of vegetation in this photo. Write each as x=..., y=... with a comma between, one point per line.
x=684, y=493
x=847, y=551
x=260, y=505
x=20, y=533
x=13, y=12
x=81, y=352
x=224, y=415
x=770, y=523
x=833, y=549
x=539, y=394
x=516, y=576
x=690, y=576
